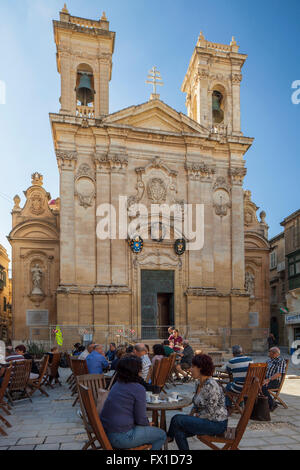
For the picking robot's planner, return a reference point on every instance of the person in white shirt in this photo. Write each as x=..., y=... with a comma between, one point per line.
x=140, y=350
x=87, y=351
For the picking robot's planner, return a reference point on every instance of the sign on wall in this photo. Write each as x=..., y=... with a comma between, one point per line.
x=37, y=317
x=292, y=318
x=253, y=319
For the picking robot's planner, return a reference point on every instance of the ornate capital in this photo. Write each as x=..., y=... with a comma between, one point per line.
x=66, y=158
x=236, y=78
x=111, y=162
x=200, y=171
x=237, y=175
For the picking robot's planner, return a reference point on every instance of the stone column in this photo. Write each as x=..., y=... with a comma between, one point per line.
x=204, y=103
x=67, y=163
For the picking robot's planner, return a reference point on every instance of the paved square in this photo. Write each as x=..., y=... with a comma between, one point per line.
x=53, y=424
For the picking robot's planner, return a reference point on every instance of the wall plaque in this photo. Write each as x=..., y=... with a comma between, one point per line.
x=37, y=317
x=253, y=319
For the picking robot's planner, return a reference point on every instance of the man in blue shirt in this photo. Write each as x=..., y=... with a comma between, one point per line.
x=96, y=361
x=111, y=353
x=238, y=368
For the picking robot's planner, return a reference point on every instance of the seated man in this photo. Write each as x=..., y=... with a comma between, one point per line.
x=87, y=351
x=186, y=360
x=111, y=353
x=168, y=350
x=237, y=367
x=96, y=361
x=140, y=350
x=276, y=368
x=21, y=350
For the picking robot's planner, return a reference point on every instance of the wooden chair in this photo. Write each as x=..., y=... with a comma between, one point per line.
x=19, y=379
x=79, y=367
x=70, y=380
x=94, y=382
x=233, y=436
x=254, y=370
x=52, y=371
x=6, y=378
x=161, y=371
x=36, y=384
x=275, y=392
x=172, y=360
x=87, y=400
x=3, y=405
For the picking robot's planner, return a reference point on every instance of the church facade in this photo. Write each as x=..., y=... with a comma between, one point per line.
x=152, y=155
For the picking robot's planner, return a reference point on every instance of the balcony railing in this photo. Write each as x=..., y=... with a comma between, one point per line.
x=85, y=112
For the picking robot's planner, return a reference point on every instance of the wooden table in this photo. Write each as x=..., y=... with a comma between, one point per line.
x=166, y=406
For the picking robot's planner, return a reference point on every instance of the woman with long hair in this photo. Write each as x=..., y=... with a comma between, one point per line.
x=124, y=415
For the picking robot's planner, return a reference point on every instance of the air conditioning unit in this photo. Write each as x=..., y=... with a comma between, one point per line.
x=281, y=266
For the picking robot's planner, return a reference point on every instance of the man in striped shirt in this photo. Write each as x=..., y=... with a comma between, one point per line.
x=276, y=368
x=237, y=367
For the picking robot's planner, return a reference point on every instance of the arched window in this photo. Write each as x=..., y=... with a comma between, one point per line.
x=85, y=86
x=217, y=107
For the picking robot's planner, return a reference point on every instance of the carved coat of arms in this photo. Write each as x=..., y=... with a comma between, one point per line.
x=157, y=190
x=36, y=204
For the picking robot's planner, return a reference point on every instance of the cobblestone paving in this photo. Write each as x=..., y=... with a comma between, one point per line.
x=53, y=424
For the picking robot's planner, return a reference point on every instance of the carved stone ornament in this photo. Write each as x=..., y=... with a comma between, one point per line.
x=85, y=191
x=36, y=204
x=85, y=170
x=221, y=202
x=237, y=175
x=66, y=157
x=156, y=190
x=160, y=185
x=236, y=78
x=37, y=179
x=111, y=162
x=199, y=171
x=17, y=201
x=221, y=183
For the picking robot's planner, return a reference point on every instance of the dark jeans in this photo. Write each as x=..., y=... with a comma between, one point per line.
x=183, y=426
x=272, y=384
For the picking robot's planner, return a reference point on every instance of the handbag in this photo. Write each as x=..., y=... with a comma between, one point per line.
x=261, y=410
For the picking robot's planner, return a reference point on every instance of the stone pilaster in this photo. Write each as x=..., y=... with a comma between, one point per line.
x=237, y=222
x=67, y=163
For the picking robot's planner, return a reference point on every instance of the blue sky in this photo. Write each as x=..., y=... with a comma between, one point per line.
x=161, y=33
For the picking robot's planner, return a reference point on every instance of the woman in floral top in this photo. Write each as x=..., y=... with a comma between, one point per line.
x=209, y=414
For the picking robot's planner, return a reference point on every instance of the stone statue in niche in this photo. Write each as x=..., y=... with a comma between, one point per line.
x=249, y=284
x=37, y=274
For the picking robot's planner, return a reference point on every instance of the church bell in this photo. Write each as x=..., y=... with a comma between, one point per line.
x=85, y=92
x=218, y=114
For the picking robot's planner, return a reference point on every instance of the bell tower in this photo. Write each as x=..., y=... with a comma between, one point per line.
x=212, y=86
x=84, y=61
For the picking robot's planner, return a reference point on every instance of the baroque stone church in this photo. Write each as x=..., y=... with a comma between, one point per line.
x=64, y=274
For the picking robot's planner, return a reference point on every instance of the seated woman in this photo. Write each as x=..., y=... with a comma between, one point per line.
x=124, y=413
x=121, y=351
x=209, y=414
x=159, y=353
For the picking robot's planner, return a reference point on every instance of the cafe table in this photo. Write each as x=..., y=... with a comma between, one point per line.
x=164, y=406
